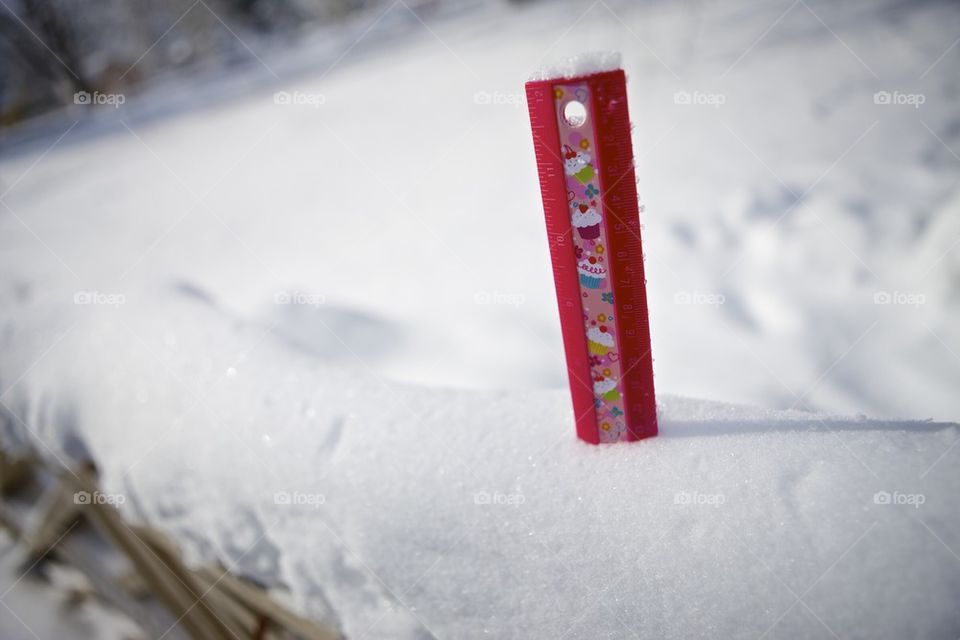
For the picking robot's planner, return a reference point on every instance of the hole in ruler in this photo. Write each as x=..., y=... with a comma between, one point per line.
x=575, y=113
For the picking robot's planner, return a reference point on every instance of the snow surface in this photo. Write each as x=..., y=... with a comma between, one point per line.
x=38, y=590
x=298, y=280
x=580, y=65
x=416, y=511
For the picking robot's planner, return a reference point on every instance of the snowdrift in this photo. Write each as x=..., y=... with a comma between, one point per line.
x=398, y=511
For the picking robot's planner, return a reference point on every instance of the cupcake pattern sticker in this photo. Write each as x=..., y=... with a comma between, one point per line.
x=577, y=164
x=585, y=220
x=589, y=242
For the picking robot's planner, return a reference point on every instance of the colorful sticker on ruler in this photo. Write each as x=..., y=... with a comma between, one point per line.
x=589, y=230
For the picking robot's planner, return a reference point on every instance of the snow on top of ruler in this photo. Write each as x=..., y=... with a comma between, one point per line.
x=579, y=65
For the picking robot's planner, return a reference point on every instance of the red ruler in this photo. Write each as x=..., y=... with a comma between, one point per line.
x=581, y=135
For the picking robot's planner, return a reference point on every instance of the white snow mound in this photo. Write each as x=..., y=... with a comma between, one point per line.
x=398, y=511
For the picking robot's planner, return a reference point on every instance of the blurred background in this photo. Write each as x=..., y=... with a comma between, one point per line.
x=358, y=177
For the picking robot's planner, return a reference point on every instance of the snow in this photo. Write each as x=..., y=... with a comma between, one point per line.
x=579, y=65
x=347, y=305
x=445, y=191
x=38, y=589
x=400, y=510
